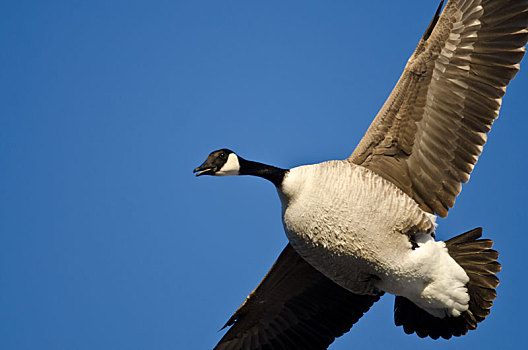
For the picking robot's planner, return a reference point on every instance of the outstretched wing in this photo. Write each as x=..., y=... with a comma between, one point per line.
x=431, y=130
x=294, y=307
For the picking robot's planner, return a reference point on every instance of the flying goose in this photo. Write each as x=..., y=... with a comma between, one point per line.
x=364, y=226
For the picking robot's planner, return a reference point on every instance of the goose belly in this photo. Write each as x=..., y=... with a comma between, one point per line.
x=350, y=224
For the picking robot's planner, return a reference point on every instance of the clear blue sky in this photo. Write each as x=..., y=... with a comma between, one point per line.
x=107, y=240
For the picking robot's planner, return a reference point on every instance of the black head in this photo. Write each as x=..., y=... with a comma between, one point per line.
x=219, y=163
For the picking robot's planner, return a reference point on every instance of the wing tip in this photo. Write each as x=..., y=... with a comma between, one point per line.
x=433, y=23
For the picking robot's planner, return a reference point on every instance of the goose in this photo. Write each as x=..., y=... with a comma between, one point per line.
x=365, y=226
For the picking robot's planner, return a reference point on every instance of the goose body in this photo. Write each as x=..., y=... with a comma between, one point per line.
x=364, y=226
x=356, y=228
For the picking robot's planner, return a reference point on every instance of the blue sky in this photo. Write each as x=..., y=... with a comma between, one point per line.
x=107, y=240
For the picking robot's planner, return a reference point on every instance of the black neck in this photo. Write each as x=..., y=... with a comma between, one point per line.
x=268, y=172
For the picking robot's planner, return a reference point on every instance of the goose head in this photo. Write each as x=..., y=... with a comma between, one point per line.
x=225, y=162
x=221, y=162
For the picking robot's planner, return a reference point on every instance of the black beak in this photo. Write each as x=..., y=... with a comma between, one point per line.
x=204, y=169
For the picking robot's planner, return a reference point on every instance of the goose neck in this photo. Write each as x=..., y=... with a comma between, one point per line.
x=268, y=172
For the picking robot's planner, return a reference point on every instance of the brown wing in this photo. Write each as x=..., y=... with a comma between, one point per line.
x=294, y=307
x=430, y=132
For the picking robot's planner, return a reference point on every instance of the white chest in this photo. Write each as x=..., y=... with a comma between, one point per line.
x=347, y=221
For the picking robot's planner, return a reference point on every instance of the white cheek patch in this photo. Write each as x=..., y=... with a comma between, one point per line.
x=231, y=167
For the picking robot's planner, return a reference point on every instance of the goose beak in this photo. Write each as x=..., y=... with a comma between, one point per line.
x=204, y=169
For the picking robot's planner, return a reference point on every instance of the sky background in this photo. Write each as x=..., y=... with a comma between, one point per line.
x=108, y=241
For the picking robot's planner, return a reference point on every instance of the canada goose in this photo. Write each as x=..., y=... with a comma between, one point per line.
x=365, y=225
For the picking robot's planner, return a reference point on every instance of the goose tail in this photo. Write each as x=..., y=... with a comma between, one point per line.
x=479, y=261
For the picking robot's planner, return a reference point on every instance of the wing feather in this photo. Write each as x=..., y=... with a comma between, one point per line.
x=431, y=130
x=294, y=307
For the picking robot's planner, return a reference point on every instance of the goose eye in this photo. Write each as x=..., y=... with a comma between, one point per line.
x=222, y=155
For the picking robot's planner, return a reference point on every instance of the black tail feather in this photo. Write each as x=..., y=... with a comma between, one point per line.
x=480, y=263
